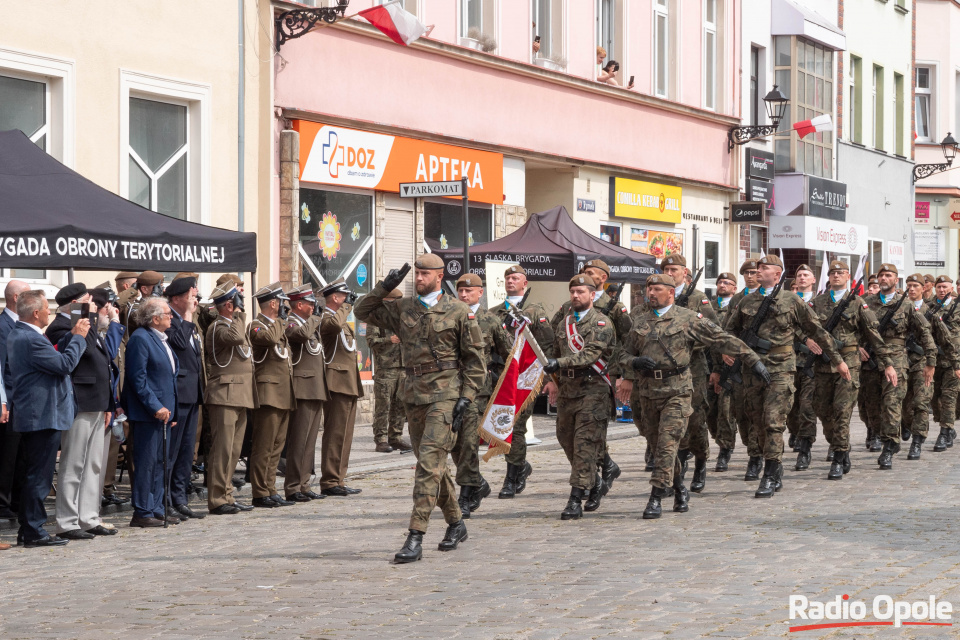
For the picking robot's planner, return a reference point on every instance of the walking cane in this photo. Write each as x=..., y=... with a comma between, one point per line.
x=166, y=478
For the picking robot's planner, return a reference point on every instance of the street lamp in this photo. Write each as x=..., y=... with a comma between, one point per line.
x=776, y=105
x=293, y=24
x=949, y=146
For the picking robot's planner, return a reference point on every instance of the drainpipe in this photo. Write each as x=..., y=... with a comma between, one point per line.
x=240, y=117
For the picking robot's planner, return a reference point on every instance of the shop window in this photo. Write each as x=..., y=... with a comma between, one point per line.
x=443, y=224
x=924, y=88
x=158, y=156
x=336, y=241
x=758, y=240
x=711, y=259
x=610, y=233
x=659, y=244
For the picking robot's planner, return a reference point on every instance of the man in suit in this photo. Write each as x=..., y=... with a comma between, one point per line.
x=150, y=398
x=43, y=396
x=79, y=480
x=187, y=346
x=303, y=334
x=11, y=465
x=230, y=392
x=343, y=387
x=274, y=376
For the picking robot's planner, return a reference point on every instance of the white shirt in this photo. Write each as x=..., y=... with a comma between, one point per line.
x=163, y=339
x=13, y=315
x=597, y=294
x=514, y=300
x=723, y=302
x=917, y=304
x=474, y=307
x=806, y=296
x=660, y=312
x=431, y=298
x=34, y=327
x=679, y=289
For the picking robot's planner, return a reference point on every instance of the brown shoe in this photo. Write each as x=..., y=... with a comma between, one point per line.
x=402, y=445
x=4, y=547
x=146, y=522
x=383, y=447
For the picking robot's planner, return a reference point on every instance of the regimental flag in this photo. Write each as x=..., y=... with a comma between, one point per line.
x=816, y=125
x=397, y=24
x=518, y=386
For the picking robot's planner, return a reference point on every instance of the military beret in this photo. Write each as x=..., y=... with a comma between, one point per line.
x=674, y=259
x=515, y=268
x=125, y=275
x=223, y=292
x=928, y=277
x=597, y=264
x=340, y=286
x=70, y=293
x=872, y=280
x=186, y=274
x=726, y=275
x=661, y=278
x=149, y=278
x=838, y=265
x=914, y=277
x=582, y=280
x=886, y=266
x=393, y=295
x=469, y=280
x=748, y=265
x=429, y=261
x=180, y=286
x=231, y=278
x=788, y=283
x=770, y=259
x=803, y=267
x=303, y=292
x=944, y=279
x=269, y=292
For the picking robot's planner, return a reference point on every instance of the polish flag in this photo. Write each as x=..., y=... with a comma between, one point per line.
x=397, y=24
x=818, y=124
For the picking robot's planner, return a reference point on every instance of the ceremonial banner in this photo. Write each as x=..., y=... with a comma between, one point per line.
x=518, y=386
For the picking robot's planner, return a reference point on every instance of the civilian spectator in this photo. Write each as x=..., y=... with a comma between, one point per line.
x=601, y=55
x=44, y=402
x=608, y=75
x=11, y=465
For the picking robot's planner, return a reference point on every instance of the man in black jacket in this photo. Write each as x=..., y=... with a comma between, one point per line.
x=186, y=343
x=81, y=447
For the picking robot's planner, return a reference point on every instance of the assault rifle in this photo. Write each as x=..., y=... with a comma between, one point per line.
x=831, y=324
x=614, y=292
x=684, y=297
x=946, y=321
x=912, y=345
x=871, y=363
x=731, y=373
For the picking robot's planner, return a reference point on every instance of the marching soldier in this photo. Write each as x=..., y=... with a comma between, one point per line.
x=660, y=348
x=473, y=487
x=929, y=282
x=834, y=396
x=585, y=342
x=767, y=405
x=882, y=400
x=445, y=371
x=802, y=421
x=230, y=392
x=343, y=387
x=946, y=379
x=310, y=390
x=274, y=376
x=915, y=417
x=515, y=283
x=388, y=414
x=721, y=416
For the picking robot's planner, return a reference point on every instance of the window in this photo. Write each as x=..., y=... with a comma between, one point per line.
x=758, y=240
x=661, y=48
x=548, y=24
x=755, y=109
x=856, y=99
x=878, y=107
x=408, y=5
x=159, y=156
x=710, y=20
x=898, y=114
x=923, y=80
x=606, y=27
x=610, y=233
x=443, y=224
x=477, y=17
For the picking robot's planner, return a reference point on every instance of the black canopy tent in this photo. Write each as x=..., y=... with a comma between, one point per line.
x=551, y=247
x=51, y=217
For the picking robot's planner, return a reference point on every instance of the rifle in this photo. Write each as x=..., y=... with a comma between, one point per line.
x=912, y=345
x=832, y=323
x=946, y=321
x=730, y=374
x=871, y=363
x=614, y=298
x=684, y=297
x=803, y=351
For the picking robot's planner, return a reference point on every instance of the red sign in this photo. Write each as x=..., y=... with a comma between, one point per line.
x=955, y=216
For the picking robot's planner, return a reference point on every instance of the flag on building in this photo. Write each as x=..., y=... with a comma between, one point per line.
x=816, y=125
x=397, y=24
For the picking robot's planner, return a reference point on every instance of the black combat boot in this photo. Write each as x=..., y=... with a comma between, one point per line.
x=412, y=549
x=699, y=479
x=792, y=442
x=942, y=439
x=953, y=436
x=829, y=456
x=723, y=460
x=681, y=497
x=778, y=477
x=915, y=447
x=875, y=444
x=753, y=468
x=593, y=497
x=478, y=494
x=464, y=500
x=803, y=455
x=653, y=510
x=509, y=488
x=648, y=458
x=610, y=471
x=456, y=533
x=573, y=511
x=904, y=432
x=768, y=481
x=846, y=462
x=683, y=455
x=886, y=457
x=523, y=472
x=836, y=467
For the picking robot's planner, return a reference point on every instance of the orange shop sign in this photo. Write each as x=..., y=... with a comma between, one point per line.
x=352, y=158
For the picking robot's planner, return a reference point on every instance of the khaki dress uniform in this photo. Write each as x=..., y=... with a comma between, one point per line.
x=342, y=376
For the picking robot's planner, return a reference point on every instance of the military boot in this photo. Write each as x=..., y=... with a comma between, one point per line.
x=953, y=436
x=681, y=497
x=412, y=549
x=886, y=457
x=699, y=479
x=904, y=432
x=792, y=442
x=464, y=500
x=653, y=510
x=915, y=447
x=942, y=439
x=778, y=477
x=753, y=468
x=456, y=533
x=683, y=455
x=573, y=511
x=479, y=493
x=836, y=467
x=768, y=481
x=611, y=471
x=648, y=458
x=523, y=472
x=723, y=459
x=509, y=488
x=803, y=457
x=593, y=497
x=875, y=444
x=846, y=462
x=829, y=457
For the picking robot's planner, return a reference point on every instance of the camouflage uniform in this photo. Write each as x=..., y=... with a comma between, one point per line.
x=697, y=438
x=440, y=336
x=915, y=414
x=388, y=413
x=720, y=420
x=802, y=420
x=737, y=402
x=946, y=385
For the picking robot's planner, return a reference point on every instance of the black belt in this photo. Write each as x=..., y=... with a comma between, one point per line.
x=586, y=372
x=660, y=374
x=432, y=367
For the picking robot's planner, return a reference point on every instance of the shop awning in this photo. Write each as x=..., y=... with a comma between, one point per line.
x=787, y=18
x=51, y=217
x=551, y=247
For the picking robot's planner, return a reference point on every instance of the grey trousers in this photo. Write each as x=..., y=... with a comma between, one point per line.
x=79, y=479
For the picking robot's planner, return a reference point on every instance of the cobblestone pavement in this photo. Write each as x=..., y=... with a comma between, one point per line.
x=322, y=570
